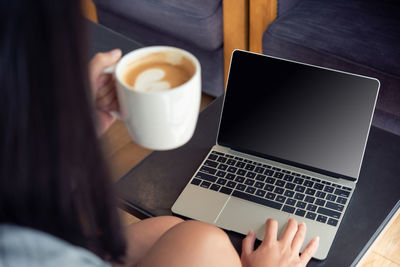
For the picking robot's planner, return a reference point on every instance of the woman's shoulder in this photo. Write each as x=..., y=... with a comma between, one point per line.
x=22, y=246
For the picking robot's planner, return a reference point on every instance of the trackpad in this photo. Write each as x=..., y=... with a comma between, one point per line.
x=241, y=216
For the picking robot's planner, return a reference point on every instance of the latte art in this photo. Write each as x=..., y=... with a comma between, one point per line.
x=158, y=72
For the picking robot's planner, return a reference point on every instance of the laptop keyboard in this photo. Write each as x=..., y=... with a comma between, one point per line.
x=273, y=187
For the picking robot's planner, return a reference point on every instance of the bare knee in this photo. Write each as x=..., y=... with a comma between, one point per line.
x=199, y=244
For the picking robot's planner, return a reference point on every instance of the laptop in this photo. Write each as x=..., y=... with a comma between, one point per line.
x=290, y=144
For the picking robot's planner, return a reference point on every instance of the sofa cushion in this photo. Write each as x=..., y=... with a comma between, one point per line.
x=363, y=31
x=196, y=21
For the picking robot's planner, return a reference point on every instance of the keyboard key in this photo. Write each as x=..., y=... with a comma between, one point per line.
x=260, y=177
x=226, y=190
x=240, y=164
x=238, y=158
x=249, y=167
x=260, y=193
x=218, y=153
x=341, y=200
x=195, y=181
x=221, y=181
x=240, y=187
x=279, y=183
x=250, y=190
x=322, y=218
x=241, y=172
x=215, y=187
x=270, y=195
x=299, y=196
x=300, y=212
x=205, y=184
x=310, y=191
x=266, y=166
x=259, y=170
x=332, y=222
x=258, y=200
x=346, y=188
x=320, y=194
x=231, y=184
x=289, y=193
x=330, y=197
x=300, y=189
x=329, y=213
x=289, y=209
x=311, y=215
x=278, y=175
x=328, y=189
x=212, y=157
x=308, y=183
x=306, y=177
x=230, y=176
x=280, y=199
x=269, y=172
x=221, y=174
x=290, y=186
x=301, y=205
x=285, y=171
x=334, y=206
x=221, y=159
x=250, y=174
x=290, y=201
x=249, y=182
x=269, y=187
x=320, y=202
x=298, y=180
x=205, y=176
x=231, y=162
x=239, y=179
x=259, y=185
x=229, y=156
x=279, y=190
x=342, y=193
x=270, y=180
x=288, y=178
x=208, y=170
x=210, y=163
x=276, y=169
x=232, y=169
x=309, y=199
x=318, y=186
x=222, y=167
x=311, y=207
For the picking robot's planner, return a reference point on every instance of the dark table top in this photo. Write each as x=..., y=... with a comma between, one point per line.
x=151, y=187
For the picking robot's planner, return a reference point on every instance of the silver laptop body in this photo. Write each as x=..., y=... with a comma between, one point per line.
x=239, y=187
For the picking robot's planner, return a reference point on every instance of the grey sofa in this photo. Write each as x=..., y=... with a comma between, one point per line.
x=194, y=25
x=360, y=36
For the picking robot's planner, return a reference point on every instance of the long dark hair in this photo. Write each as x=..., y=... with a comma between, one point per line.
x=52, y=174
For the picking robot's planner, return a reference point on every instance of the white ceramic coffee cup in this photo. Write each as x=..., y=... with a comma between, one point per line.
x=159, y=120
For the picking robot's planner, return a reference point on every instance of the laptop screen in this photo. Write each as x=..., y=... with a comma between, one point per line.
x=306, y=116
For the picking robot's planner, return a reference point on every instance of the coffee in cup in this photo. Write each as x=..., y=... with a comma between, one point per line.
x=158, y=71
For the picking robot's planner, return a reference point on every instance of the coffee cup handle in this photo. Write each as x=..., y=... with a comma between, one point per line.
x=115, y=114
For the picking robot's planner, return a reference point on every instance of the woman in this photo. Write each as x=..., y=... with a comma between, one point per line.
x=56, y=204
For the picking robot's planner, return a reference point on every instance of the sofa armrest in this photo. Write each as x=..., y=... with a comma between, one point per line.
x=262, y=13
x=236, y=29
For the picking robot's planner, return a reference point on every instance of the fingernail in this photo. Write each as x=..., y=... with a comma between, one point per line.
x=116, y=53
x=251, y=232
x=317, y=239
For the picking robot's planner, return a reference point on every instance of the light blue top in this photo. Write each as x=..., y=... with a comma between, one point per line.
x=21, y=246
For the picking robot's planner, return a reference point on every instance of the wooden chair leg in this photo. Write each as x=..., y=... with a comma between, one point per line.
x=236, y=29
x=262, y=13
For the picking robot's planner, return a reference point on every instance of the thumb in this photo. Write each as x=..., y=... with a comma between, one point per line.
x=101, y=61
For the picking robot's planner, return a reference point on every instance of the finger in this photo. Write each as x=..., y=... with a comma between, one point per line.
x=299, y=237
x=105, y=102
x=309, y=251
x=101, y=61
x=290, y=232
x=113, y=106
x=103, y=80
x=248, y=243
x=271, y=232
x=105, y=90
